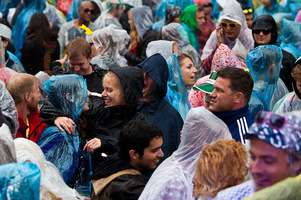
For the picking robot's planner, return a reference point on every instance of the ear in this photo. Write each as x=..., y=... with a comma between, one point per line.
x=5, y=43
x=90, y=58
x=297, y=167
x=27, y=97
x=238, y=97
x=133, y=155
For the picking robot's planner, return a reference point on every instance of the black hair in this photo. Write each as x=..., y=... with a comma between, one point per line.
x=136, y=135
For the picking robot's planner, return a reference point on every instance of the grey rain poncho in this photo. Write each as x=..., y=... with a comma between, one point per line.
x=162, y=47
x=233, y=12
x=143, y=19
x=173, y=178
x=51, y=179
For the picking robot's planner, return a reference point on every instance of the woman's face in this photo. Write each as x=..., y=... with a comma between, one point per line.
x=188, y=72
x=113, y=93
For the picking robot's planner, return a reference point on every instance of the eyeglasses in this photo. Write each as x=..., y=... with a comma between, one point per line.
x=207, y=5
x=265, y=32
x=248, y=11
x=86, y=10
x=274, y=120
x=91, y=44
x=231, y=25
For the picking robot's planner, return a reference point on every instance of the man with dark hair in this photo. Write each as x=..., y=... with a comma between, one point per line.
x=119, y=175
x=230, y=97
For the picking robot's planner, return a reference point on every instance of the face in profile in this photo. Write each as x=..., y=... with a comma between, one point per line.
x=188, y=71
x=33, y=104
x=232, y=29
x=200, y=19
x=113, y=93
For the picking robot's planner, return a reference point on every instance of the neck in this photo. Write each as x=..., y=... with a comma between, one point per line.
x=78, y=22
x=22, y=111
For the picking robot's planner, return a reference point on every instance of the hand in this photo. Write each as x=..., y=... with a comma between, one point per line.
x=62, y=61
x=65, y=123
x=92, y=145
x=220, y=34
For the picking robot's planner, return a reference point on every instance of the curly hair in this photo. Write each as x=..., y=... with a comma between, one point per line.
x=221, y=165
x=135, y=40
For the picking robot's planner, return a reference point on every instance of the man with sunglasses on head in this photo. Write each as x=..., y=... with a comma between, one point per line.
x=249, y=13
x=232, y=30
x=71, y=30
x=275, y=152
x=264, y=31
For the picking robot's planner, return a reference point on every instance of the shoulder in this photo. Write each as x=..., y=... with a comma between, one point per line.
x=237, y=192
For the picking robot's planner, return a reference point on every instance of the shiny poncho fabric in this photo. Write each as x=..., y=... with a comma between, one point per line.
x=20, y=28
x=276, y=8
x=162, y=47
x=233, y=12
x=177, y=94
x=5, y=72
x=111, y=40
x=8, y=108
x=264, y=63
x=7, y=148
x=288, y=103
x=143, y=19
x=51, y=179
x=173, y=178
x=20, y=181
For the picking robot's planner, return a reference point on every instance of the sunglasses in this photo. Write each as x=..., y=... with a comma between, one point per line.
x=231, y=25
x=248, y=11
x=265, y=32
x=91, y=44
x=86, y=10
x=274, y=120
x=207, y=5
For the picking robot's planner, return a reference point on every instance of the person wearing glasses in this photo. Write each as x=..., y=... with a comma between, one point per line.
x=249, y=13
x=264, y=31
x=275, y=152
x=71, y=30
x=231, y=31
x=269, y=7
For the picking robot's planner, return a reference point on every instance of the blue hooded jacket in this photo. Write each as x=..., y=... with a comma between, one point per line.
x=158, y=111
x=261, y=10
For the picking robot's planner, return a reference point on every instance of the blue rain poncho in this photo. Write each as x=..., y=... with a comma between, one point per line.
x=19, y=31
x=291, y=37
x=5, y=5
x=20, y=181
x=176, y=95
x=264, y=63
x=68, y=93
x=261, y=10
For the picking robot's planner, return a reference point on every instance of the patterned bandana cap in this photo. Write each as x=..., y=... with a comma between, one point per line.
x=113, y=3
x=5, y=33
x=288, y=136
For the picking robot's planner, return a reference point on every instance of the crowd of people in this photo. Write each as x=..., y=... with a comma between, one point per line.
x=136, y=99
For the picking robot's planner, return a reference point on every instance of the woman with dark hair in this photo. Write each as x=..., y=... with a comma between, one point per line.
x=41, y=46
x=264, y=31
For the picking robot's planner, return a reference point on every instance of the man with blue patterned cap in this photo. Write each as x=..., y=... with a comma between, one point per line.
x=275, y=153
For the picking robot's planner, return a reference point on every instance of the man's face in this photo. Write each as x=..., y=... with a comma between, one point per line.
x=250, y=19
x=222, y=97
x=148, y=89
x=200, y=19
x=266, y=3
x=86, y=11
x=262, y=39
x=207, y=10
x=33, y=104
x=152, y=155
x=118, y=12
x=80, y=65
x=231, y=33
x=268, y=164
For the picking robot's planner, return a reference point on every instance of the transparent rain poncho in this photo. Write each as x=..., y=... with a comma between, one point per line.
x=276, y=8
x=52, y=182
x=20, y=181
x=233, y=12
x=264, y=63
x=19, y=31
x=162, y=47
x=143, y=19
x=68, y=93
x=107, y=42
x=5, y=72
x=177, y=94
x=173, y=178
x=8, y=107
x=291, y=37
x=5, y=5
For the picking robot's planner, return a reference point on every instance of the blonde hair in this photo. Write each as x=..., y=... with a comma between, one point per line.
x=135, y=40
x=221, y=165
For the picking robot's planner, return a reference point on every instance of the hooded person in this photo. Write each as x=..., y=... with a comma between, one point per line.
x=269, y=7
x=141, y=21
x=173, y=178
x=264, y=63
x=176, y=32
x=5, y=72
x=232, y=15
x=52, y=184
x=107, y=42
x=163, y=47
x=120, y=106
x=156, y=108
x=267, y=24
x=68, y=93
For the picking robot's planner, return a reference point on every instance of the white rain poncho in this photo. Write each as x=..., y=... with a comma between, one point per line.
x=173, y=178
x=233, y=12
x=288, y=103
x=143, y=19
x=162, y=47
x=5, y=72
x=52, y=182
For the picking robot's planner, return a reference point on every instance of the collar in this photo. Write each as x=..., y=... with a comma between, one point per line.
x=228, y=116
